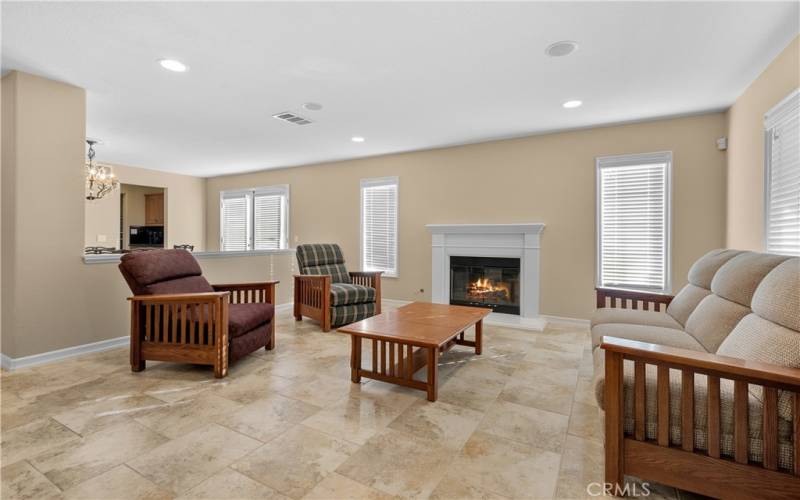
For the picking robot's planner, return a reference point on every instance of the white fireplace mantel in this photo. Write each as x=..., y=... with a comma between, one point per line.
x=491, y=240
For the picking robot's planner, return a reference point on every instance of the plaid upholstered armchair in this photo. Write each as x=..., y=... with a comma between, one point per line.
x=327, y=292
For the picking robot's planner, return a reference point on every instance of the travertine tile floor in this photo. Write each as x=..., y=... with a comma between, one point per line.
x=520, y=421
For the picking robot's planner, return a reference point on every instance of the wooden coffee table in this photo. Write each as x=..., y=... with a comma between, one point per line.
x=410, y=337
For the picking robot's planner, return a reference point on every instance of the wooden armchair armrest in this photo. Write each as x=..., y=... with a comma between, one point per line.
x=187, y=327
x=634, y=296
x=702, y=362
x=245, y=293
x=635, y=454
x=371, y=279
x=203, y=297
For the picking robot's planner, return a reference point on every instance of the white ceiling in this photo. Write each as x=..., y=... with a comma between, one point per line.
x=406, y=76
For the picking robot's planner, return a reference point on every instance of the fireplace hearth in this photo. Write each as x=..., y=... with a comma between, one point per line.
x=487, y=282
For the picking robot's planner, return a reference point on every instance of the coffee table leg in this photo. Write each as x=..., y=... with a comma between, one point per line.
x=355, y=359
x=478, y=337
x=433, y=373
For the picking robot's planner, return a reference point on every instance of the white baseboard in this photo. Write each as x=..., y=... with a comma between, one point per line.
x=9, y=363
x=518, y=322
x=284, y=307
x=395, y=302
x=564, y=321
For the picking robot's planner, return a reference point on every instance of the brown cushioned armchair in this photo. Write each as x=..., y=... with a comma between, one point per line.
x=327, y=292
x=176, y=315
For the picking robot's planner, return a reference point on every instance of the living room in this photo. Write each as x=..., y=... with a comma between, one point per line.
x=452, y=206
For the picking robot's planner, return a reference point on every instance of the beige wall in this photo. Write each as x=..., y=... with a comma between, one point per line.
x=547, y=178
x=745, y=204
x=101, y=220
x=51, y=299
x=45, y=304
x=184, y=207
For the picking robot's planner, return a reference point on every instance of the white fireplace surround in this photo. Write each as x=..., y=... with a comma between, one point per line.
x=491, y=240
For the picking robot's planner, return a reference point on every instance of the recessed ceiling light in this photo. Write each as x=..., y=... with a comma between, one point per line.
x=357, y=139
x=312, y=106
x=572, y=104
x=561, y=49
x=173, y=65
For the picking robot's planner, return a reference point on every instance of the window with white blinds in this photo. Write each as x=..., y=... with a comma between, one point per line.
x=633, y=221
x=254, y=219
x=782, y=176
x=235, y=220
x=379, y=225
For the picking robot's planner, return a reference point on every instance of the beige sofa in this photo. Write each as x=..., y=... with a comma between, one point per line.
x=743, y=305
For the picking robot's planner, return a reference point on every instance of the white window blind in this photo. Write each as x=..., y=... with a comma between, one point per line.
x=269, y=220
x=782, y=176
x=379, y=225
x=633, y=221
x=254, y=219
x=235, y=219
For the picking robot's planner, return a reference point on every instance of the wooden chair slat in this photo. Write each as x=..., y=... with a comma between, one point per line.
x=770, y=423
x=662, y=389
x=740, y=411
x=687, y=410
x=639, y=400
x=713, y=416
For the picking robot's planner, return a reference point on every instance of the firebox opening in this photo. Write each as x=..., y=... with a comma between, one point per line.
x=485, y=281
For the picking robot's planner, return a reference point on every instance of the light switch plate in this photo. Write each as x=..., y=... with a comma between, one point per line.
x=101, y=238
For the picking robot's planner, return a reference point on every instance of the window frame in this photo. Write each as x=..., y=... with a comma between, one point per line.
x=251, y=193
x=783, y=107
x=657, y=157
x=375, y=182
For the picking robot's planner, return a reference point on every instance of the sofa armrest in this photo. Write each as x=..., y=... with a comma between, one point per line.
x=754, y=372
x=371, y=279
x=744, y=373
x=634, y=296
x=189, y=327
x=245, y=293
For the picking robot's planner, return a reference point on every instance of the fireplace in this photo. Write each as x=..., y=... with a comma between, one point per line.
x=487, y=282
x=517, y=248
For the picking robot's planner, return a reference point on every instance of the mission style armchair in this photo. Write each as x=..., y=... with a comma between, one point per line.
x=327, y=292
x=176, y=315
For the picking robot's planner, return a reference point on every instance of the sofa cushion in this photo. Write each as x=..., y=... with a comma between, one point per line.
x=344, y=315
x=777, y=298
x=347, y=293
x=189, y=284
x=755, y=412
x=672, y=337
x=337, y=272
x=738, y=278
x=633, y=316
x=152, y=266
x=713, y=320
x=756, y=339
x=686, y=301
x=702, y=272
x=318, y=254
x=322, y=259
x=245, y=317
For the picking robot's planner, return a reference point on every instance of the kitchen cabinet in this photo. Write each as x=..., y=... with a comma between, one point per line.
x=154, y=209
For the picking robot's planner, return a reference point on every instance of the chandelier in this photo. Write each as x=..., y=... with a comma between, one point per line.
x=100, y=180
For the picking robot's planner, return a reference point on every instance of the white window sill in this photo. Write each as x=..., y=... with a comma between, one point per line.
x=114, y=257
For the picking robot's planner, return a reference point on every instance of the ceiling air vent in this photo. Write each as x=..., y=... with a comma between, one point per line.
x=292, y=118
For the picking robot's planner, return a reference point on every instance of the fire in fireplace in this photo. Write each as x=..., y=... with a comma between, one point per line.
x=485, y=281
